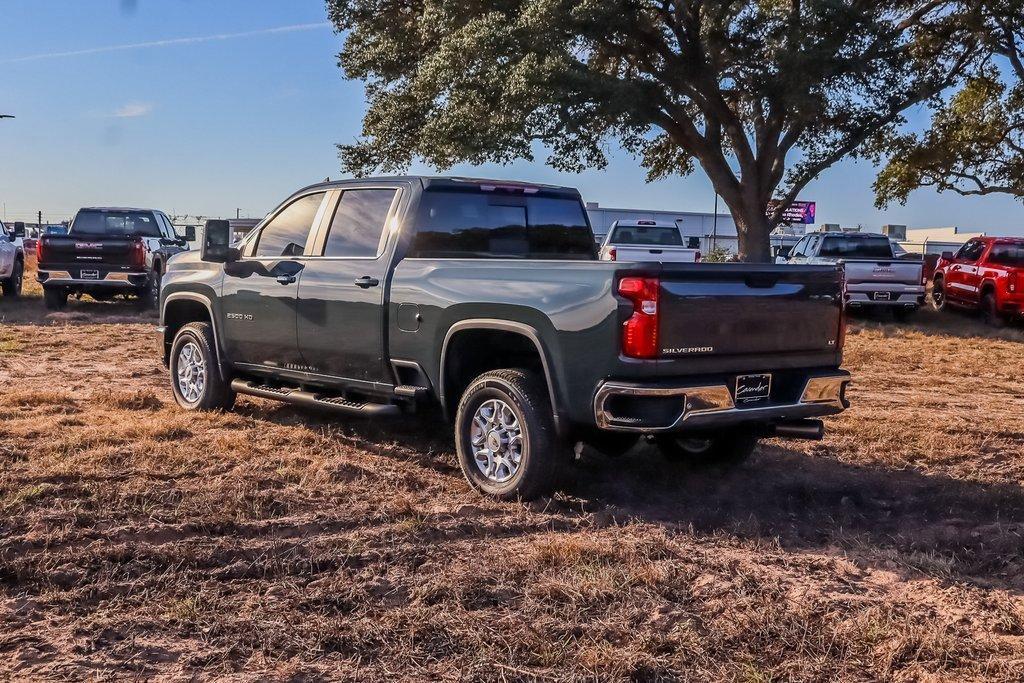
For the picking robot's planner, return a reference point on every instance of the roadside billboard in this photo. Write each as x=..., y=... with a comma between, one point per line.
x=797, y=212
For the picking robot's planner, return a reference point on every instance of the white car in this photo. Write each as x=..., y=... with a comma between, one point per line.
x=12, y=262
x=647, y=241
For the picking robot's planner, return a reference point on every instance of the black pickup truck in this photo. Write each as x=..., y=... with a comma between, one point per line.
x=487, y=299
x=108, y=252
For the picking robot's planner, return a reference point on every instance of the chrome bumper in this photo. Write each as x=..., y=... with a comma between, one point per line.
x=64, y=279
x=712, y=406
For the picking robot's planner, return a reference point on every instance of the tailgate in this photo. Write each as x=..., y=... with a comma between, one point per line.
x=89, y=249
x=649, y=254
x=746, y=309
x=860, y=272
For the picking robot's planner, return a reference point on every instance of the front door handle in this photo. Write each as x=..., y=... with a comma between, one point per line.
x=285, y=279
x=366, y=282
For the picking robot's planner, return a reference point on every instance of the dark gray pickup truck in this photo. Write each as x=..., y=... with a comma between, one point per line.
x=487, y=299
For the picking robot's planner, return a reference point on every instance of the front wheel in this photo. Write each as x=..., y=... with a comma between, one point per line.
x=149, y=297
x=720, y=449
x=12, y=285
x=505, y=435
x=195, y=377
x=939, y=295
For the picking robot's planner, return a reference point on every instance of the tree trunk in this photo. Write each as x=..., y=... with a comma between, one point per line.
x=754, y=231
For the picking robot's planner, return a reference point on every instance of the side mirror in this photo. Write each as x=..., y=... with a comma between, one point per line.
x=947, y=255
x=19, y=229
x=216, y=246
x=190, y=233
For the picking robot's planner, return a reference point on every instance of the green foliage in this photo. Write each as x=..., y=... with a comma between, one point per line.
x=735, y=86
x=975, y=145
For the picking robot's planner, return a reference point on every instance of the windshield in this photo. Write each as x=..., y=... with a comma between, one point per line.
x=856, y=247
x=663, y=236
x=1008, y=255
x=115, y=223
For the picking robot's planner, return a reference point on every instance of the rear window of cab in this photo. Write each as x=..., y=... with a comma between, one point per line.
x=484, y=225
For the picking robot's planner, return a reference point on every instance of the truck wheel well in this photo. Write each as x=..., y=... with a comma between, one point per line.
x=470, y=353
x=180, y=313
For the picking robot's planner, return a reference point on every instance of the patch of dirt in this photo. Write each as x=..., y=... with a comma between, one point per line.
x=141, y=541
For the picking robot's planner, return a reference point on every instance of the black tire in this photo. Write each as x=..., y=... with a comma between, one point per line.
x=939, y=299
x=902, y=315
x=525, y=396
x=12, y=286
x=990, y=311
x=215, y=394
x=724, y=449
x=149, y=297
x=55, y=298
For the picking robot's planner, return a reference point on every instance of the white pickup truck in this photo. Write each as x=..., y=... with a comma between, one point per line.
x=12, y=261
x=876, y=277
x=647, y=241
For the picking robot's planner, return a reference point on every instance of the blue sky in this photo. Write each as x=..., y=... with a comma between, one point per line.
x=218, y=123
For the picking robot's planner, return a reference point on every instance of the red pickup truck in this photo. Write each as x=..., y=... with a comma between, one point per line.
x=986, y=274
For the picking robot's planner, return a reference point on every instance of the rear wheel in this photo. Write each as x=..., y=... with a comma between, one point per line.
x=722, y=449
x=195, y=377
x=12, y=286
x=939, y=295
x=55, y=298
x=149, y=297
x=505, y=436
x=990, y=311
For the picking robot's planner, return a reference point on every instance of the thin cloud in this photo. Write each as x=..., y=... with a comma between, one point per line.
x=167, y=43
x=134, y=110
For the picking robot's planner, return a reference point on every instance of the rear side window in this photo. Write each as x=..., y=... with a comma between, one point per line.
x=1007, y=255
x=358, y=223
x=647, y=235
x=286, y=233
x=116, y=223
x=856, y=247
x=470, y=225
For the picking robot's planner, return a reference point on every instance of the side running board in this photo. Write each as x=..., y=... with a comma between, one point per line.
x=311, y=400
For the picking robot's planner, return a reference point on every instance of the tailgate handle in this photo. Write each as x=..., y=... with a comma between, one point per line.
x=761, y=281
x=656, y=251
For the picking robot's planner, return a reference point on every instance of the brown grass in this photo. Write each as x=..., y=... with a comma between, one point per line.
x=140, y=541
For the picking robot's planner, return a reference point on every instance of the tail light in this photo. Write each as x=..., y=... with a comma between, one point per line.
x=39, y=251
x=696, y=257
x=612, y=254
x=138, y=255
x=640, y=332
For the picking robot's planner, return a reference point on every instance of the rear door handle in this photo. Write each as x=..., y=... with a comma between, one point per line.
x=366, y=282
x=285, y=279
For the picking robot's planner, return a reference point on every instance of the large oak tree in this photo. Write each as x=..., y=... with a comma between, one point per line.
x=763, y=95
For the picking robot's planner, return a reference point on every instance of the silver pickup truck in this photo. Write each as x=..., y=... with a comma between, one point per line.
x=875, y=276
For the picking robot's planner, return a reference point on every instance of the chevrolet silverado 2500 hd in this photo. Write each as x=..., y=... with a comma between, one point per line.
x=487, y=298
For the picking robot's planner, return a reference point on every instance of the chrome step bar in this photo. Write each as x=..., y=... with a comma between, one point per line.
x=309, y=399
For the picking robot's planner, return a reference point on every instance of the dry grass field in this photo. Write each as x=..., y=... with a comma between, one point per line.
x=138, y=541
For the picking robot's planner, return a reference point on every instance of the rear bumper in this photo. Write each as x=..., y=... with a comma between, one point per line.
x=879, y=294
x=628, y=407
x=112, y=280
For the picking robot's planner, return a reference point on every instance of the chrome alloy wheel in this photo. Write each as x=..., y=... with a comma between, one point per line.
x=191, y=372
x=497, y=440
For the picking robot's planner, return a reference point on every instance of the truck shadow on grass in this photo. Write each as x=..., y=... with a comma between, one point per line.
x=31, y=311
x=904, y=521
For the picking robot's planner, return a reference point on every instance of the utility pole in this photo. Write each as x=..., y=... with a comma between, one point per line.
x=714, y=228
x=40, y=219
x=238, y=213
